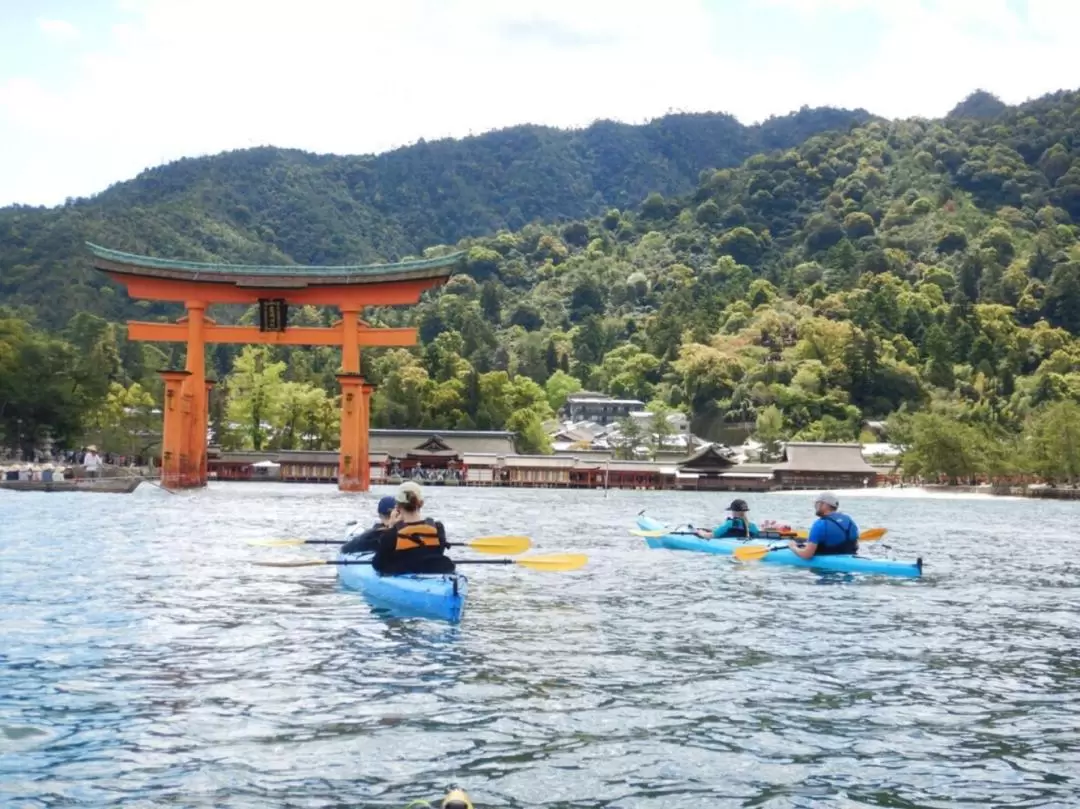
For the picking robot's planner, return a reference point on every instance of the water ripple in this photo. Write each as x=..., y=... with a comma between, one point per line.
x=146, y=663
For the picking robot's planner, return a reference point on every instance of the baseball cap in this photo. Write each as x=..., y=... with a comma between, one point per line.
x=828, y=498
x=386, y=505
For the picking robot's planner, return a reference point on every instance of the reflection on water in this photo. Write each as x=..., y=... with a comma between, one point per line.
x=145, y=663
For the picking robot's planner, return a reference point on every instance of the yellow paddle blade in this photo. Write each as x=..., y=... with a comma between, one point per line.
x=293, y=563
x=869, y=535
x=554, y=562
x=276, y=543
x=639, y=532
x=746, y=553
x=508, y=545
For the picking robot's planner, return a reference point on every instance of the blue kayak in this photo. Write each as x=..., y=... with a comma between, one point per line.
x=846, y=563
x=428, y=595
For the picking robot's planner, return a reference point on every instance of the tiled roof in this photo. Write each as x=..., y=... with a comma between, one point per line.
x=132, y=264
x=813, y=457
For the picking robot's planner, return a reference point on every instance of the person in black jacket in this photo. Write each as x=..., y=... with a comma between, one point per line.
x=369, y=540
x=412, y=544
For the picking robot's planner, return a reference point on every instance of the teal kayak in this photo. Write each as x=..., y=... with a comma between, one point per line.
x=846, y=563
x=689, y=542
x=435, y=595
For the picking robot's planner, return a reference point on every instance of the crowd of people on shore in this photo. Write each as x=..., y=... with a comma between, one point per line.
x=62, y=464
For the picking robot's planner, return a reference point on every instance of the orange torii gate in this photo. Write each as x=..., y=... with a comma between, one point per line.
x=198, y=285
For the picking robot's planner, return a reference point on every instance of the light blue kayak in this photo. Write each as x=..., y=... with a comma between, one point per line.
x=689, y=542
x=428, y=595
x=846, y=563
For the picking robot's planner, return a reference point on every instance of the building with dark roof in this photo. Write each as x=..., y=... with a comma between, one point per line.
x=811, y=465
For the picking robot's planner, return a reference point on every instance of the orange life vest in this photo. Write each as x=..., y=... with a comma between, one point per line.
x=414, y=536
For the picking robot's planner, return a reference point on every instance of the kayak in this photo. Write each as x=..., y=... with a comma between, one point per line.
x=689, y=542
x=429, y=595
x=846, y=563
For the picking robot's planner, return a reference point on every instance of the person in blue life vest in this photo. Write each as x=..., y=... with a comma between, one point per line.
x=832, y=532
x=369, y=540
x=737, y=526
x=412, y=543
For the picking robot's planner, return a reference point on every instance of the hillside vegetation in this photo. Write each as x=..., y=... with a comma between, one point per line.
x=925, y=272
x=285, y=206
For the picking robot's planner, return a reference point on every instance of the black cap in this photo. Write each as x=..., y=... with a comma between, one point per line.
x=738, y=505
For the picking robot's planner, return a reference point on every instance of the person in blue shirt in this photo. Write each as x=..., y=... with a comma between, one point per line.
x=831, y=533
x=369, y=540
x=737, y=526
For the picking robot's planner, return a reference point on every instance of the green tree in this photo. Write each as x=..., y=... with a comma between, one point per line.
x=1053, y=438
x=254, y=388
x=769, y=430
x=944, y=446
x=630, y=436
x=125, y=422
x=559, y=387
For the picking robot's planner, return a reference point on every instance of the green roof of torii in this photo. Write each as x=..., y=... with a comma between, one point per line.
x=118, y=261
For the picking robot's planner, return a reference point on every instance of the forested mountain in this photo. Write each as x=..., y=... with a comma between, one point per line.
x=286, y=206
x=909, y=267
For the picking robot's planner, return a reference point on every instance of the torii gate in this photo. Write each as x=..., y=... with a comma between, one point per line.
x=198, y=285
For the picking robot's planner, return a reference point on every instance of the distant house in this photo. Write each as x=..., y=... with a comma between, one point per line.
x=587, y=406
x=399, y=450
x=716, y=468
x=823, y=466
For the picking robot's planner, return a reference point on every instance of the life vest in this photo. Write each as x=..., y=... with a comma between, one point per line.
x=739, y=528
x=849, y=545
x=416, y=536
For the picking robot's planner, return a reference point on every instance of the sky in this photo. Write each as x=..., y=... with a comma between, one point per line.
x=94, y=91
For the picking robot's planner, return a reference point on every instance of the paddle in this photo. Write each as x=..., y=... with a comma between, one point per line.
x=552, y=562
x=495, y=544
x=639, y=532
x=750, y=552
x=869, y=535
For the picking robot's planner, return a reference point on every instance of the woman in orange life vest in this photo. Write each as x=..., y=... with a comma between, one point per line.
x=411, y=543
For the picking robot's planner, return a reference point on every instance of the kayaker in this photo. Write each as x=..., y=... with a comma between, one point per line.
x=412, y=544
x=736, y=526
x=832, y=532
x=369, y=540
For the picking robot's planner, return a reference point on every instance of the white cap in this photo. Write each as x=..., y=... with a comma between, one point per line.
x=828, y=498
x=407, y=488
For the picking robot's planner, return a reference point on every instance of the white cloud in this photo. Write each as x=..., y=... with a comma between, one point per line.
x=59, y=30
x=176, y=79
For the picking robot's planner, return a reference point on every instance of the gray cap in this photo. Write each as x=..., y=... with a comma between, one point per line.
x=828, y=498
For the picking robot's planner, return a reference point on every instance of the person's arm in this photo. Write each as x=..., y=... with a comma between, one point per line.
x=754, y=531
x=807, y=550
x=367, y=541
x=442, y=535
x=721, y=529
x=387, y=548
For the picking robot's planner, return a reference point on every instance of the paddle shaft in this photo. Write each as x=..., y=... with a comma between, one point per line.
x=456, y=561
x=343, y=541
